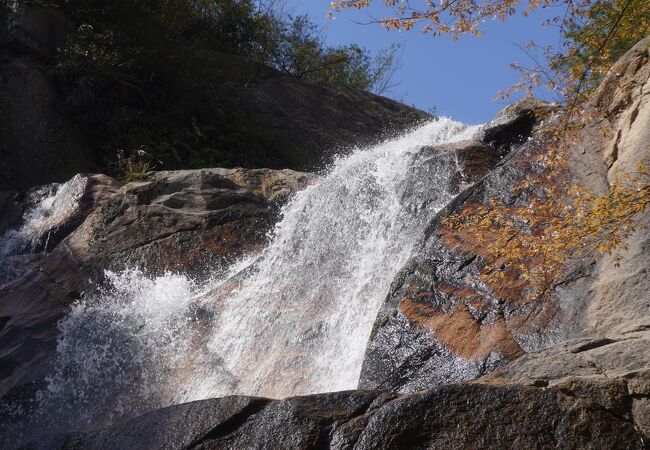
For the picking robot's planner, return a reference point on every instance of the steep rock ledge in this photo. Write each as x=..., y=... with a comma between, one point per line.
x=584, y=393
x=455, y=416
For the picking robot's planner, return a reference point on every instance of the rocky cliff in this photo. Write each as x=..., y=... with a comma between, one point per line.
x=442, y=323
x=454, y=416
x=452, y=361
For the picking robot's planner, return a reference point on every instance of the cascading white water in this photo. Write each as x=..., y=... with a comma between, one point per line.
x=47, y=208
x=299, y=323
x=294, y=319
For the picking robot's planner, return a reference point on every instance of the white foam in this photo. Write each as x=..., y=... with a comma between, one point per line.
x=48, y=208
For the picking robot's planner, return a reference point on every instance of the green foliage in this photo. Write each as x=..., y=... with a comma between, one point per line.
x=149, y=74
x=133, y=167
x=598, y=37
x=302, y=53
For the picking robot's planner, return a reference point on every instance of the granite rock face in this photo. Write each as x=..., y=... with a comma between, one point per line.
x=186, y=220
x=442, y=323
x=452, y=361
x=439, y=324
x=612, y=370
x=584, y=393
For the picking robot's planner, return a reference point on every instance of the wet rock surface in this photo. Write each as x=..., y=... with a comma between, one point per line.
x=474, y=159
x=451, y=363
x=442, y=323
x=583, y=393
x=439, y=323
x=591, y=391
x=35, y=223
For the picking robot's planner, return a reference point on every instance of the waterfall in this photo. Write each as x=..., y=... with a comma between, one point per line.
x=293, y=319
x=47, y=208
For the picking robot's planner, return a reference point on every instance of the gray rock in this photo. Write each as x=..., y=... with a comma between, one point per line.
x=618, y=358
x=276, y=186
x=641, y=415
x=179, y=220
x=514, y=124
x=452, y=416
x=440, y=323
x=474, y=159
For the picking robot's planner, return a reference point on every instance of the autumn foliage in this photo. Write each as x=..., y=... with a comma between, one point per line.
x=561, y=223
x=540, y=240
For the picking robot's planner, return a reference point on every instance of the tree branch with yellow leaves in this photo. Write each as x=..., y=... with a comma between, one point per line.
x=561, y=223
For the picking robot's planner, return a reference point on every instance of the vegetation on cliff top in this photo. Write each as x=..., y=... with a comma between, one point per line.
x=146, y=77
x=136, y=36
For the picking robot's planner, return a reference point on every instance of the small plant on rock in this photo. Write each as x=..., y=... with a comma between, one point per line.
x=135, y=166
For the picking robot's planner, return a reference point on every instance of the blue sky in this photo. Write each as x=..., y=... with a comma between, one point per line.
x=459, y=78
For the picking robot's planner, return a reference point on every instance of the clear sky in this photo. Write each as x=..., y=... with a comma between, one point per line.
x=459, y=78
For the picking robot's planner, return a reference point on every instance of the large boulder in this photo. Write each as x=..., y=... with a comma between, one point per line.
x=37, y=221
x=184, y=220
x=612, y=370
x=454, y=416
x=63, y=244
